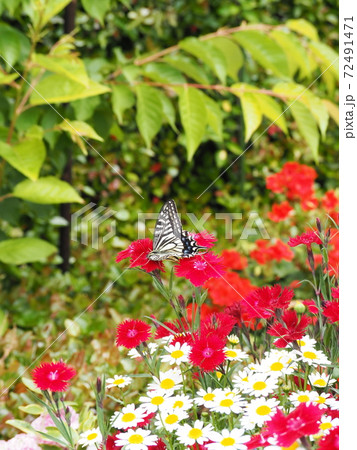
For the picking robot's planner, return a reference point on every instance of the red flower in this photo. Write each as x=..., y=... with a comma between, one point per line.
x=159, y=444
x=310, y=304
x=331, y=311
x=275, y=252
x=185, y=338
x=329, y=201
x=205, y=239
x=162, y=331
x=234, y=260
x=146, y=420
x=53, y=376
x=335, y=293
x=306, y=239
x=280, y=212
x=137, y=252
x=294, y=328
x=206, y=311
x=207, y=352
x=262, y=303
x=229, y=289
x=309, y=203
x=132, y=333
x=110, y=442
x=220, y=324
x=200, y=268
x=331, y=440
x=303, y=421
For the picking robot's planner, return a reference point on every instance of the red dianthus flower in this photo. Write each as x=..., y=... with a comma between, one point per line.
x=329, y=201
x=280, y=212
x=132, y=333
x=229, y=289
x=306, y=239
x=294, y=328
x=262, y=303
x=205, y=239
x=53, y=376
x=234, y=260
x=138, y=252
x=331, y=311
x=331, y=440
x=220, y=324
x=207, y=352
x=200, y=268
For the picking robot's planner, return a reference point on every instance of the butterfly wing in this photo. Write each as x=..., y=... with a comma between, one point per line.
x=168, y=231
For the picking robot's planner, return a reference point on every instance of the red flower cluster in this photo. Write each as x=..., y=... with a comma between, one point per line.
x=295, y=180
x=234, y=260
x=331, y=311
x=263, y=303
x=229, y=289
x=293, y=330
x=265, y=253
x=329, y=201
x=280, y=212
x=53, y=376
x=311, y=237
x=200, y=268
x=207, y=352
x=138, y=252
x=220, y=324
x=132, y=333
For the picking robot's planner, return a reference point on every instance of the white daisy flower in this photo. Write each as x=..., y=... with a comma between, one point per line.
x=313, y=357
x=182, y=402
x=227, y=403
x=168, y=381
x=233, y=339
x=241, y=379
x=133, y=353
x=138, y=439
x=258, y=411
x=177, y=353
x=170, y=420
x=189, y=435
x=206, y=397
x=306, y=341
x=278, y=363
x=129, y=416
x=327, y=423
x=118, y=381
x=321, y=380
x=90, y=438
x=233, y=354
x=232, y=440
x=326, y=400
x=228, y=391
x=154, y=401
x=260, y=384
x=303, y=397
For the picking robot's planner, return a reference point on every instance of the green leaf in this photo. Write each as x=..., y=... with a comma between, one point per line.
x=163, y=73
x=51, y=8
x=14, y=46
x=327, y=57
x=4, y=322
x=149, y=112
x=27, y=157
x=23, y=426
x=272, y=110
x=47, y=190
x=252, y=114
x=214, y=115
x=232, y=53
x=7, y=79
x=168, y=110
x=189, y=67
x=96, y=9
x=69, y=66
x=77, y=128
x=25, y=250
x=294, y=51
x=122, y=99
x=303, y=27
x=57, y=89
x=208, y=54
x=32, y=409
x=307, y=127
x=194, y=118
x=265, y=51
x=332, y=110
x=28, y=382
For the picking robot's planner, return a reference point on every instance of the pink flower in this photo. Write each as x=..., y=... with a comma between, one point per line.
x=306, y=239
x=205, y=239
x=200, y=268
x=53, y=376
x=21, y=441
x=137, y=252
x=132, y=333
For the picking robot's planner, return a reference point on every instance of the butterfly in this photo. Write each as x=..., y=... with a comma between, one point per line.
x=171, y=242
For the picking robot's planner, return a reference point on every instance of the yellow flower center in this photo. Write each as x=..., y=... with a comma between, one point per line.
x=310, y=355
x=177, y=354
x=259, y=386
x=170, y=419
x=294, y=446
x=245, y=379
x=320, y=382
x=208, y=397
x=226, y=402
x=136, y=439
x=303, y=398
x=321, y=400
x=230, y=393
x=157, y=400
x=263, y=410
x=167, y=383
x=277, y=366
x=195, y=433
x=231, y=353
x=325, y=425
x=218, y=375
x=227, y=442
x=178, y=404
x=300, y=343
x=92, y=436
x=128, y=417
x=119, y=381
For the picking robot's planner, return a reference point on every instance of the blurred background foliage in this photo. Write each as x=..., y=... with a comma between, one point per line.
x=138, y=124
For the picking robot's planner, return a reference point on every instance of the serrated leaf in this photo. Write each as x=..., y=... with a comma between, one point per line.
x=77, y=128
x=272, y=110
x=168, y=110
x=25, y=250
x=307, y=126
x=332, y=110
x=47, y=190
x=149, y=112
x=69, y=66
x=327, y=57
x=163, y=73
x=187, y=66
x=122, y=99
x=57, y=89
x=294, y=51
x=209, y=55
x=194, y=118
x=27, y=156
x=32, y=409
x=232, y=53
x=96, y=9
x=265, y=51
x=303, y=27
x=214, y=115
